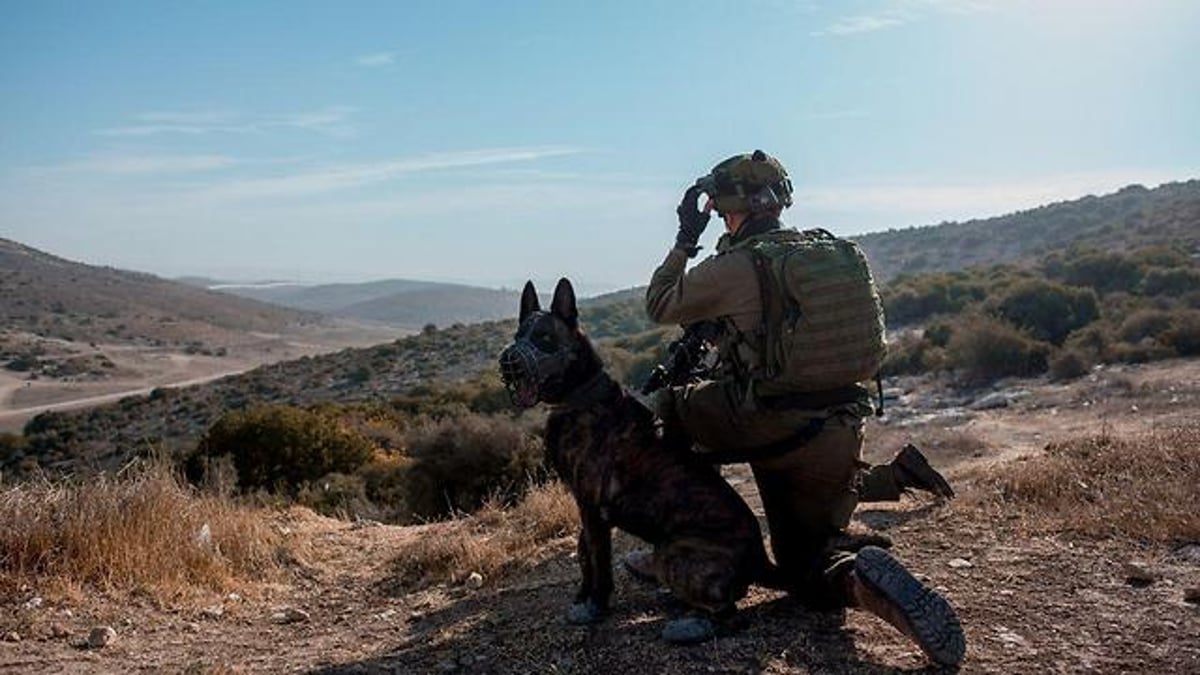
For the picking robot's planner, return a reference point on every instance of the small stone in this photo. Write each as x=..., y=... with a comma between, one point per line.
x=204, y=537
x=34, y=603
x=1139, y=574
x=233, y=597
x=59, y=631
x=475, y=580
x=1192, y=595
x=386, y=615
x=213, y=613
x=12, y=637
x=960, y=563
x=101, y=637
x=992, y=401
x=191, y=627
x=68, y=613
x=1189, y=553
x=291, y=615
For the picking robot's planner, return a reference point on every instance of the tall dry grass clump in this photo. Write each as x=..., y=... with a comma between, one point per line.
x=145, y=530
x=491, y=541
x=1142, y=487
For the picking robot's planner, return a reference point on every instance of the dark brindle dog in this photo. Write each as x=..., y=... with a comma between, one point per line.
x=707, y=544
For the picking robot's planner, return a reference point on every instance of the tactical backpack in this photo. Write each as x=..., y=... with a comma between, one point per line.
x=822, y=317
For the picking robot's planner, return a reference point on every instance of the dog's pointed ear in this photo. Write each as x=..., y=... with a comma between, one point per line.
x=529, y=302
x=563, y=304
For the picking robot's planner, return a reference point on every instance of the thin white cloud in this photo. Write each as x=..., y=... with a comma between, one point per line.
x=376, y=60
x=900, y=12
x=348, y=176
x=865, y=24
x=332, y=121
x=140, y=164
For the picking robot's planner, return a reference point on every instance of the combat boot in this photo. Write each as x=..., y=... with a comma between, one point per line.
x=879, y=584
x=913, y=472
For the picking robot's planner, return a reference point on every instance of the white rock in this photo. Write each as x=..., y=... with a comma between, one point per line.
x=960, y=563
x=204, y=537
x=34, y=603
x=291, y=615
x=475, y=580
x=14, y=636
x=213, y=613
x=101, y=636
x=233, y=597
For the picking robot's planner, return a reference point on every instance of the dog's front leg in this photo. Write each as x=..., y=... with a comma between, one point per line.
x=595, y=561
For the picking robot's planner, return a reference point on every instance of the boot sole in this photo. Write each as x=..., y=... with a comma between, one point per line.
x=938, y=631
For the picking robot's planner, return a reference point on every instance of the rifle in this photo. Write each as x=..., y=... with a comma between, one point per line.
x=685, y=357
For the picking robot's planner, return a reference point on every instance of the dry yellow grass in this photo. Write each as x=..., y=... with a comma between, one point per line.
x=1143, y=487
x=146, y=530
x=492, y=541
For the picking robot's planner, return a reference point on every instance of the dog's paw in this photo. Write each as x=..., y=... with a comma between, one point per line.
x=583, y=613
x=689, y=630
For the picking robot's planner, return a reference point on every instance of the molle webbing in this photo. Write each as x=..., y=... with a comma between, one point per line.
x=822, y=316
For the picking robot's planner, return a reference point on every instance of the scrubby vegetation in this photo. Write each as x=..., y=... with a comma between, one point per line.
x=491, y=541
x=145, y=529
x=1142, y=488
x=1073, y=310
x=1134, y=217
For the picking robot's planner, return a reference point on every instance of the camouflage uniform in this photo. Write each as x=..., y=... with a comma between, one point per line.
x=808, y=492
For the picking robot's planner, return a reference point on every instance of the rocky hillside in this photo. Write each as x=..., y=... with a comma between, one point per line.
x=173, y=419
x=53, y=297
x=1070, y=547
x=1134, y=217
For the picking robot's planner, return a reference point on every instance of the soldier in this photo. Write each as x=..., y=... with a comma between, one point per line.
x=802, y=328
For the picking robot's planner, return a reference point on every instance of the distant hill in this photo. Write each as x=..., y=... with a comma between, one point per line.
x=1133, y=217
x=401, y=302
x=50, y=296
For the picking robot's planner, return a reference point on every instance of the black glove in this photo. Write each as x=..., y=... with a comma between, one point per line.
x=692, y=221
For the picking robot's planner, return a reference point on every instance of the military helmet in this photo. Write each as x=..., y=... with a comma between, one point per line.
x=754, y=182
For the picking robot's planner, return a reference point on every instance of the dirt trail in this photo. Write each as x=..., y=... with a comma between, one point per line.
x=1041, y=604
x=14, y=417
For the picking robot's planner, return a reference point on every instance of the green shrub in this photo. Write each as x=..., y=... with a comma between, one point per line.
x=458, y=463
x=1103, y=271
x=1144, y=324
x=1184, y=334
x=1048, y=311
x=338, y=495
x=1093, y=342
x=1173, y=282
x=912, y=355
x=984, y=349
x=280, y=447
x=1068, y=364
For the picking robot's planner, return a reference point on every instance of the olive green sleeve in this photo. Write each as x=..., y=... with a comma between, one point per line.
x=718, y=286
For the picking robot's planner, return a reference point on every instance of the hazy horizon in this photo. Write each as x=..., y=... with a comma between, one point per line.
x=466, y=142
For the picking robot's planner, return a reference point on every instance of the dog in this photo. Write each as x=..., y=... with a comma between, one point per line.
x=604, y=444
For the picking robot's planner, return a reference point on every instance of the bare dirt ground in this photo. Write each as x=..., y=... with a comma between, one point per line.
x=1028, y=602
x=137, y=370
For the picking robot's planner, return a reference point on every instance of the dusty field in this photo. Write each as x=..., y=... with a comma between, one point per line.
x=138, y=370
x=1030, y=602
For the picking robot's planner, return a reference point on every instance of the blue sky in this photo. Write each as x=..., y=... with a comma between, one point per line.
x=488, y=142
